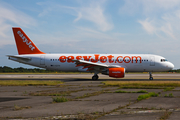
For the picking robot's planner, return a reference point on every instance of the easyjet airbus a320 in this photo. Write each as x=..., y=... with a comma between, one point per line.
x=114, y=65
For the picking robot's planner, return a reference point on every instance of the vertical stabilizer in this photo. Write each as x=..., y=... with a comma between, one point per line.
x=23, y=43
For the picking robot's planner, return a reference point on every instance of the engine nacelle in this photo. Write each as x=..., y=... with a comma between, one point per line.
x=115, y=72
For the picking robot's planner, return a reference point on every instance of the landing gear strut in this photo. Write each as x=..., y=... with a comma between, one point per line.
x=95, y=77
x=150, y=76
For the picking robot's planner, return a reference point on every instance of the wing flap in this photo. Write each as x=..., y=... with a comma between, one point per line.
x=93, y=66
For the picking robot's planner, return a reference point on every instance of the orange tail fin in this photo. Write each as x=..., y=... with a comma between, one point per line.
x=23, y=43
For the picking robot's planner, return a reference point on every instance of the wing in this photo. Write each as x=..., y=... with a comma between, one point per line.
x=91, y=66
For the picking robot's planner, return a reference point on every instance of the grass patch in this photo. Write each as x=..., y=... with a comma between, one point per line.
x=142, y=83
x=121, y=91
x=30, y=82
x=168, y=89
x=170, y=95
x=142, y=91
x=16, y=107
x=145, y=96
x=90, y=94
x=54, y=93
x=165, y=116
x=140, y=87
x=62, y=93
x=59, y=99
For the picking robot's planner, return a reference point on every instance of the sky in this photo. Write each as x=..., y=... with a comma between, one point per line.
x=93, y=26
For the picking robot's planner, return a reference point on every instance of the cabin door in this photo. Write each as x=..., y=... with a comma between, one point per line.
x=42, y=60
x=152, y=61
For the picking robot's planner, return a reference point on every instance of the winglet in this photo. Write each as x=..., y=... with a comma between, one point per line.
x=23, y=43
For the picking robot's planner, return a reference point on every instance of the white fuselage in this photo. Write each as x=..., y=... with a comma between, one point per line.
x=131, y=62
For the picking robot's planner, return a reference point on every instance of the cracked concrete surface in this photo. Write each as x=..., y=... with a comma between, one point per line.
x=104, y=106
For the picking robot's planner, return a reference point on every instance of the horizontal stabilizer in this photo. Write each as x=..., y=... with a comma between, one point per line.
x=20, y=58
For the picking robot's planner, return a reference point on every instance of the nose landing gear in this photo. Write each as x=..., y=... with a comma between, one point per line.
x=150, y=76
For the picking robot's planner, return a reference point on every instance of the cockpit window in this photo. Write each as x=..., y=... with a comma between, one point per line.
x=163, y=60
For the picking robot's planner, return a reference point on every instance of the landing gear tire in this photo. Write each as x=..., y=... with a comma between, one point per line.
x=95, y=77
x=150, y=76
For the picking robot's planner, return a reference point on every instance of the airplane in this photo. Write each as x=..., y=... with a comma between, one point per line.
x=114, y=65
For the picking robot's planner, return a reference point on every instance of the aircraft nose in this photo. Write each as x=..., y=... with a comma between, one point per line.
x=170, y=66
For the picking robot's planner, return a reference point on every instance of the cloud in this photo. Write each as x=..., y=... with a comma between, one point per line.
x=79, y=17
x=167, y=25
x=147, y=25
x=167, y=28
x=95, y=14
x=158, y=17
x=9, y=17
x=9, y=14
x=147, y=7
x=89, y=11
x=151, y=6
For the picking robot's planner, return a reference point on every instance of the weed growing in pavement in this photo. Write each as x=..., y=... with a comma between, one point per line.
x=165, y=95
x=25, y=92
x=90, y=94
x=123, y=112
x=168, y=89
x=145, y=96
x=54, y=93
x=140, y=87
x=30, y=82
x=141, y=97
x=59, y=99
x=153, y=94
x=121, y=91
x=170, y=95
x=86, y=117
x=96, y=113
x=165, y=116
x=142, y=83
x=16, y=107
x=142, y=91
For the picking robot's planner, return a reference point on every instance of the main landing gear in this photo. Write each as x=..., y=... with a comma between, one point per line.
x=150, y=76
x=95, y=77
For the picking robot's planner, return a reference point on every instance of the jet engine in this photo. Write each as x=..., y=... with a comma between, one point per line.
x=115, y=72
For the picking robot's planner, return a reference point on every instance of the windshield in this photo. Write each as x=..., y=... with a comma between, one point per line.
x=163, y=60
